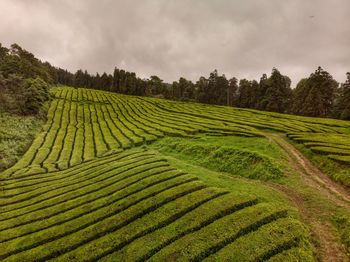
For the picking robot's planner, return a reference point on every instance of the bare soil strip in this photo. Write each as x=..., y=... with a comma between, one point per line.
x=327, y=244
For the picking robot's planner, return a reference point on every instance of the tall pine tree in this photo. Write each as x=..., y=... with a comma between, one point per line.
x=315, y=95
x=342, y=104
x=278, y=92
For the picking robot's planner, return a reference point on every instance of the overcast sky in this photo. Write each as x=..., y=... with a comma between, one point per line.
x=190, y=38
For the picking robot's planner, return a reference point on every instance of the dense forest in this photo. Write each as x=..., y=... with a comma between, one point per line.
x=25, y=82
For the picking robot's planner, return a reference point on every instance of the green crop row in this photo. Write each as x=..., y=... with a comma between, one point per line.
x=85, y=124
x=62, y=238
x=79, y=194
x=335, y=146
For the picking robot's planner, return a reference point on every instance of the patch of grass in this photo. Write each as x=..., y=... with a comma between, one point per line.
x=243, y=187
x=83, y=191
x=248, y=157
x=211, y=239
x=322, y=207
x=338, y=171
x=104, y=208
x=16, y=135
x=261, y=250
x=342, y=223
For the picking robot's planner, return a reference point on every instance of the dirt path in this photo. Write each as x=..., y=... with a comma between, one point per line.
x=327, y=245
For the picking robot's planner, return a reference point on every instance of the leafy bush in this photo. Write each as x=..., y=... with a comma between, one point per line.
x=23, y=96
x=16, y=135
x=36, y=94
x=230, y=159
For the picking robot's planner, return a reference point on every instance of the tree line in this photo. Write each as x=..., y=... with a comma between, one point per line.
x=24, y=81
x=318, y=95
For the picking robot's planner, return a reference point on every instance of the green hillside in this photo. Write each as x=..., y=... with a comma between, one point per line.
x=84, y=124
x=126, y=178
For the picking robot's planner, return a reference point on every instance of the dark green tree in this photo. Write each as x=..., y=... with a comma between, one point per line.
x=12, y=94
x=189, y=92
x=278, y=94
x=232, y=92
x=175, y=90
x=254, y=94
x=261, y=96
x=202, y=89
x=116, y=81
x=212, y=93
x=222, y=86
x=243, y=93
x=342, y=103
x=106, y=81
x=213, y=90
x=3, y=53
x=183, y=90
x=315, y=95
x=298, y=97
x=79, y=78
x=155, y=86
x=36, y=93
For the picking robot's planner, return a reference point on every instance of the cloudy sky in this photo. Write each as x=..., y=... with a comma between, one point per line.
x=190, y=38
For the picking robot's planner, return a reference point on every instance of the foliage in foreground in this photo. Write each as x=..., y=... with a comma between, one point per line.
x=16, y=135
x=135, y=206
x=225, y=155
x=80, y=191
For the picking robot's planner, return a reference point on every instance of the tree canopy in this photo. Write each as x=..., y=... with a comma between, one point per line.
x=22, y=74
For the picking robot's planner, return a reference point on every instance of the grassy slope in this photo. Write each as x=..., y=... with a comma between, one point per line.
x=338, y=216
x=117, y=206
x=16, y=135
x=338, y=171
x=85, y=124
x=251, y=157
x=180, y=153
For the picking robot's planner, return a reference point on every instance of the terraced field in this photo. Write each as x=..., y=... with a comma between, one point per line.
x=134, y=206
x=84, y=124
x=323, y=136
x=335, y=146
x=87, y=190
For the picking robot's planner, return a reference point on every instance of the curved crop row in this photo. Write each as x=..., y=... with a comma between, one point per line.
x=79, y=194
x=85, y=124
x=109, y=207
x=335, y=146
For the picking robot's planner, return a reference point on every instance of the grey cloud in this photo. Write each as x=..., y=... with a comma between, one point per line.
x=184, y=38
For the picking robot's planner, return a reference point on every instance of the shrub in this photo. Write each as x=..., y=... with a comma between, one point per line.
x=23, y=96
x=36, y=94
